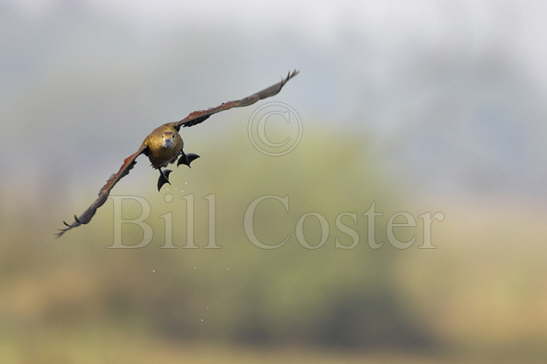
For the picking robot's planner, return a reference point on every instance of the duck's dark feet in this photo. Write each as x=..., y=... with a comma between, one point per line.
x=164, y=178
x=186, y=159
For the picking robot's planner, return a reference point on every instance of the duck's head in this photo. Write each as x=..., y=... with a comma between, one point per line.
x=168, y=139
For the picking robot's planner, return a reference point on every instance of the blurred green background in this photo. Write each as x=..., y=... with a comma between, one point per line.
x=425, y=106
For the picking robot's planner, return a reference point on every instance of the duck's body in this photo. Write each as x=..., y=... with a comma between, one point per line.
x=164, y=145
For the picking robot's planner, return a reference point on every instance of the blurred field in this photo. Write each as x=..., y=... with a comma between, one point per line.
x=104, y=346
x=478, y=296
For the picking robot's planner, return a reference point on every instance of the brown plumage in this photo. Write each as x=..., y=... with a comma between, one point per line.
x=159, y=155
x=164, y=145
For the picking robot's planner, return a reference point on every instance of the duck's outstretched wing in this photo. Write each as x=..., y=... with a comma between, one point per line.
x=87, y=215
x=199, y=116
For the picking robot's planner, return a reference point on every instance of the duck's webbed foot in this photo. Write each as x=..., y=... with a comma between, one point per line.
x=164, y=178
x=186, y=159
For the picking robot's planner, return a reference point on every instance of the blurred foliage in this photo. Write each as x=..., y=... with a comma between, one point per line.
x=290, y=295
x=456, y=297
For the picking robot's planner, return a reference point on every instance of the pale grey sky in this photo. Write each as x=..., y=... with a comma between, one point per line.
x=520, y=24
x=454, y=85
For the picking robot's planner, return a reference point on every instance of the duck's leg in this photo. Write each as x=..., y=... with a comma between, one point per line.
x=186, y=159
x=164, y=178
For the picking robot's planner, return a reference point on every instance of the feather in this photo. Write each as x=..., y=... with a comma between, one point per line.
x=199, y=116
x=88, y=214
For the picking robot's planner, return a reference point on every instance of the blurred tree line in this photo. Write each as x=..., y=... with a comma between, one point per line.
x=285, y=296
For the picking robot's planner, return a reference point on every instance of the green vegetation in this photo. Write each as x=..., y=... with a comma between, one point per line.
x=75, y=301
